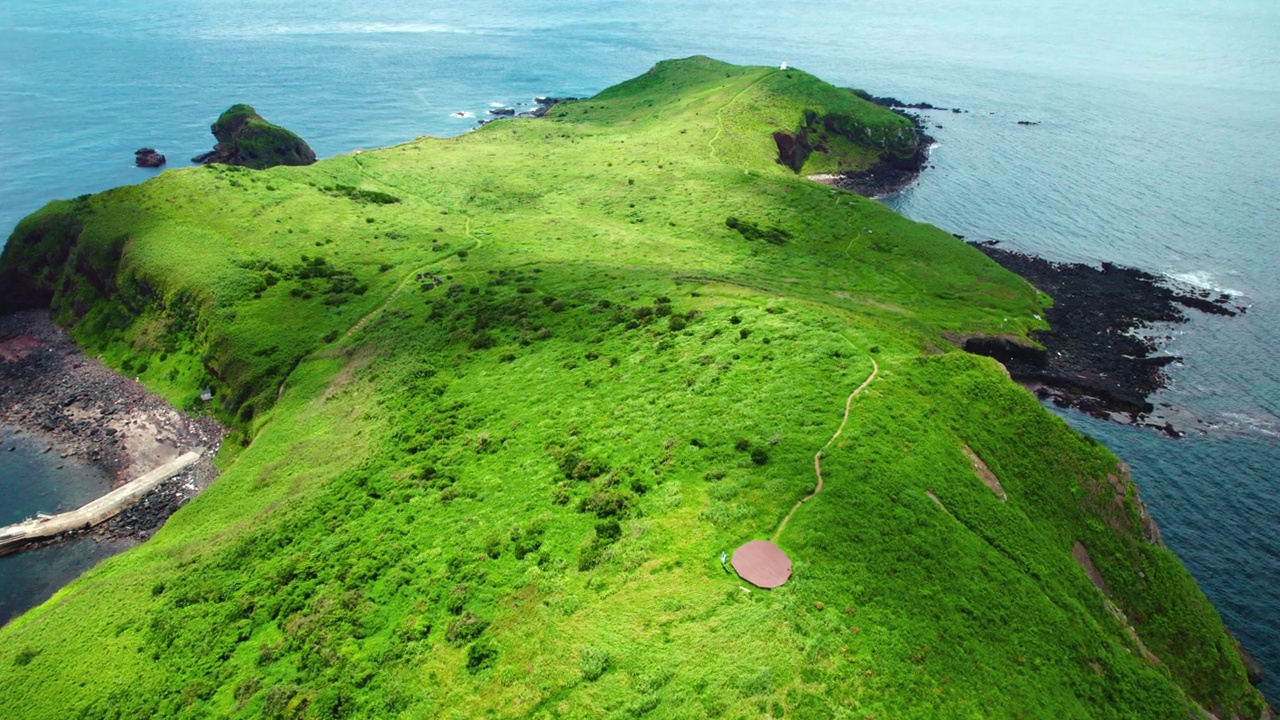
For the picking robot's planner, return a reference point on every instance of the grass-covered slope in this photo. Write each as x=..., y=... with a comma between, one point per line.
x=503, y=399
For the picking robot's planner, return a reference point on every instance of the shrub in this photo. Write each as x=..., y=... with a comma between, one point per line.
x=246, y=689
x=277, y=700
x=759, y=456
x=605, y=504
x=456, y=599
x=25, y=656
x=589, y=557
x=481, y=655
x=335, y=701
x=593, y=662
x=675, y=323
x=750, y=231
x=608, y=531
x=742, y=445
x=467, y=627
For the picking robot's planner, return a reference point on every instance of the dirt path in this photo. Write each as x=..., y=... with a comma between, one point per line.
x=711, y=144
x=412, y=274
x=817, y=457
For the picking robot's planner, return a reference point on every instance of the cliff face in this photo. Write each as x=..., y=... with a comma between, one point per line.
x=898, y=147
x=246, y=139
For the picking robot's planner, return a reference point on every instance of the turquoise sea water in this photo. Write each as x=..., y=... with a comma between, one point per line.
x=1158, y=147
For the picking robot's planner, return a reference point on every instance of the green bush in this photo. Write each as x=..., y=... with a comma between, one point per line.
x=466, y=627
x=593, y=662
x=25, y=656
x=480, y=655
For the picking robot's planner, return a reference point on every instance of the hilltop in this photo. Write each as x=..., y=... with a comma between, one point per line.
x=500, y=401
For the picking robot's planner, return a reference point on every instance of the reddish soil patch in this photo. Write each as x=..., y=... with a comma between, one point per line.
x=13, y=349
x=762, y=564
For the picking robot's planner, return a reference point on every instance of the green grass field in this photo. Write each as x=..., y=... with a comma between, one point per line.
x=500, y=401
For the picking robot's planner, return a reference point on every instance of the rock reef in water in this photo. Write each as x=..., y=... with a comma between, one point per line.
x=246, y=139
x=1100, y=353
x=148, y=158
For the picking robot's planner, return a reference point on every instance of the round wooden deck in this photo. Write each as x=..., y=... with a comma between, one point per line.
x=762, y=564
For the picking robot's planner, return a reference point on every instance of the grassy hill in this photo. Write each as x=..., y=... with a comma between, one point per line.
x=501, y=401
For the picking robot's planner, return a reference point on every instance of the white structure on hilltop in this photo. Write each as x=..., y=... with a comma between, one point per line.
x=783, y=66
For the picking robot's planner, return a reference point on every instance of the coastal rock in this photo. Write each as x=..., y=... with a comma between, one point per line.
x=895, y=170
x=546, y=103
x=246, y=139
x=148, y=158
x=502, y=111
x=1096, y=357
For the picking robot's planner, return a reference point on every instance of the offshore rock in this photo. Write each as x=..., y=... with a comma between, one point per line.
x=148, y=158
x=246, y=139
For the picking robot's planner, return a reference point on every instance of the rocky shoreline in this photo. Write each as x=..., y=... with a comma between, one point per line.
x=890, y=174
x=1102, y=351
x=82, y=408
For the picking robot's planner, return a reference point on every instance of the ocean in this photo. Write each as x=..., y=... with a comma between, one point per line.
x=1157, y=147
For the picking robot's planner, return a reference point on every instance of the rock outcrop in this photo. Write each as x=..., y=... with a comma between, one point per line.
x=148, y=158
x=245, y=138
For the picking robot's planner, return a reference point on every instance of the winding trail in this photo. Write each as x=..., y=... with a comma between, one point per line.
x=720, y=113
x=817, y=457
x=411, y=275
x=382, y=306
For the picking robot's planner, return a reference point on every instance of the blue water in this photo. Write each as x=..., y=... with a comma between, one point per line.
x=1158, y=147
x=34, y=481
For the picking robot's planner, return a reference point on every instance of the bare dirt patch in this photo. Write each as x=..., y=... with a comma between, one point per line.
x=984, y=474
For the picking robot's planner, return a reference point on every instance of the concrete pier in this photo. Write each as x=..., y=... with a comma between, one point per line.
x=104, y=508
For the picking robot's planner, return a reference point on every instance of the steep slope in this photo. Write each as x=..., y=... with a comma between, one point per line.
x=503, y=399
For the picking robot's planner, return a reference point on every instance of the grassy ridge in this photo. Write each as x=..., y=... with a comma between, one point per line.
x=571, y=384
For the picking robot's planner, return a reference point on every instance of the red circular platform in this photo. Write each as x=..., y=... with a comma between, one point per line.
x=762, y=564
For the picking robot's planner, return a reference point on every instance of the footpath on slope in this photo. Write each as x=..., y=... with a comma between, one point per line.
x=416, y=273
x=817, y=457
x=761, y=562
x=711, y=144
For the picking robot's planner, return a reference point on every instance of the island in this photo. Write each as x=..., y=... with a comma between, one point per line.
x=502, y=406
x=246, y=139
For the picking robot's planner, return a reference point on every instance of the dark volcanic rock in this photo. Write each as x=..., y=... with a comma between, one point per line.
x=1096, y=356
x=546, y=103
x=244, y=138
x=502, y=111
x=893, y=172
x=148, y=158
